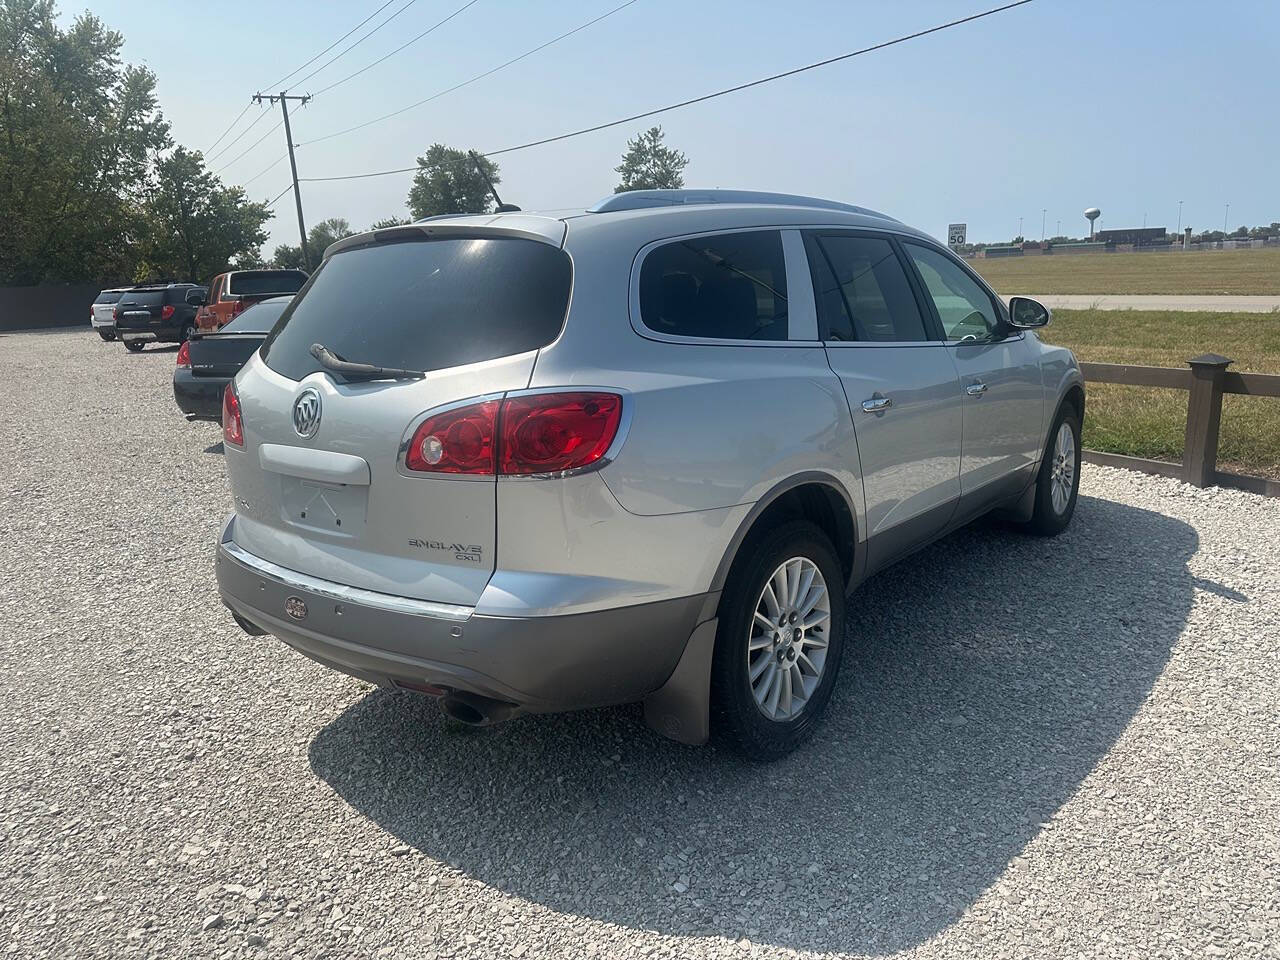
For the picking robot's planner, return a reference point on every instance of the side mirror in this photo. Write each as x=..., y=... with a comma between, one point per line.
x=1027, y=314
x=195, y=298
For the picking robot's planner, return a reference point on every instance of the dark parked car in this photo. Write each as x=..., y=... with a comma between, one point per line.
x=158, y=312
x=208, y=361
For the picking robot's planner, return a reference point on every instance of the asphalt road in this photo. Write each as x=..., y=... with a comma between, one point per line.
x=1037, y=748
x=1107, y=301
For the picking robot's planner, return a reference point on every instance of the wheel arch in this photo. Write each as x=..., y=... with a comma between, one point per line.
x=814, y=496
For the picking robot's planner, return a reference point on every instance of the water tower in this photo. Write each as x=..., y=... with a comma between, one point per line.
x=1092, y=214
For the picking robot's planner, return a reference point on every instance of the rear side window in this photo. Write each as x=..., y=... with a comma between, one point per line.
x=260, y=282
x=177, y=294
x=732, y=286
x=861, y=290
x=426, y=305
x=108, y=296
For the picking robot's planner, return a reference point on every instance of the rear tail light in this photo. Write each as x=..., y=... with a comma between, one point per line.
x=184, y=355
x=456, y=441
x=167, y=311
x=236, y=307
x=115, y=313
x=553, y=432
x=232, y=423
x=519, y=436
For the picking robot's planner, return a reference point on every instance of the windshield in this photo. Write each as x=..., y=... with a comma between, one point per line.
x=256, y=283
x=259, y=318
x=425, y=305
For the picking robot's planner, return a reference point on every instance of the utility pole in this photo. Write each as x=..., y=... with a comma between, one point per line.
x=1225, y=213
x=1043, y=213
x=293, y=164
x=1019, y=227
x=1179, y=218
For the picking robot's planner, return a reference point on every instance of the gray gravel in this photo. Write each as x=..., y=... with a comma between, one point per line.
x=1064, y=748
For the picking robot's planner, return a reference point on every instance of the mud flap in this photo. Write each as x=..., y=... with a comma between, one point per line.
x=680, y=708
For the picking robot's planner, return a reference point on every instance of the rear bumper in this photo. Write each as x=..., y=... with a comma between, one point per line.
x=141, y=330
x=200, y=398
x=543, y=664
x=107, y=325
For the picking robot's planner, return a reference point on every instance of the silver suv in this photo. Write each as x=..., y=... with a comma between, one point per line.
x=533, y=463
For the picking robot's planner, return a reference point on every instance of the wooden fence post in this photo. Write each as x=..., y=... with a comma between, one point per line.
x=1204, y=416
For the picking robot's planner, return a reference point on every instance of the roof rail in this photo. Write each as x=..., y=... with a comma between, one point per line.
x=642, y=199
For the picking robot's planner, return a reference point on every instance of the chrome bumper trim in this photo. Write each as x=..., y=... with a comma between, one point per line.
x=340, y=591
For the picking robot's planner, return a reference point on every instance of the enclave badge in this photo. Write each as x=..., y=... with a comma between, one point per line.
x=296, y=608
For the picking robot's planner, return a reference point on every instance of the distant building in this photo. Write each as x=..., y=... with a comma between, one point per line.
x=1138, y=236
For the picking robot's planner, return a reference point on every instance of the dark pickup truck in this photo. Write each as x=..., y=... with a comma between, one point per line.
x=158, y=312
x=207, y=362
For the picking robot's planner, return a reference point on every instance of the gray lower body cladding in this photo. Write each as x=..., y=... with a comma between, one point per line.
x=543, y=664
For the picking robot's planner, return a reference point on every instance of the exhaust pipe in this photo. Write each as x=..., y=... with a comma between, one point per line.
x=477, y=711
x=252, y=629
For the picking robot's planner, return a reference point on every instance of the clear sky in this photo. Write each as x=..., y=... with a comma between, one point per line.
x=1128, y=105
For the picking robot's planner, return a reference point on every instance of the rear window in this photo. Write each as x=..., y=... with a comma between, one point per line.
x=143, y=298
x=260, y=282
x=259, y=318
x=727, y=287
x=108, y=296
x=426, y=305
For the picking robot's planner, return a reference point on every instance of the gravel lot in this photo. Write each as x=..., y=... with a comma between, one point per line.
x=1037, y=749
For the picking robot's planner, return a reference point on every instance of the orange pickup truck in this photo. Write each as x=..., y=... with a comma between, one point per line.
x=232, y=292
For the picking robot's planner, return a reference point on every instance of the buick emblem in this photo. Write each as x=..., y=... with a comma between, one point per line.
x=306, y=413
x=296, y=608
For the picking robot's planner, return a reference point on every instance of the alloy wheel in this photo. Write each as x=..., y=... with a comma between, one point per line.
x=788, y=639
x=1062, y=474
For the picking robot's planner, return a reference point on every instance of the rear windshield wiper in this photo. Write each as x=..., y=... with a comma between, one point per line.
x=360, y=371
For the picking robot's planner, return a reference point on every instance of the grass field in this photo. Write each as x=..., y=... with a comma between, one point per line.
x=1147, y=422
x=1210, y=272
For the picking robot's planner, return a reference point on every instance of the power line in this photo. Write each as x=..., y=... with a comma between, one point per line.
x=230, y=125
x=704, y=97
x=272, y=86
x=238, y=137
x=274, y=163
x=353, y=45
x=464, y=83
x=279, y=195
x=430, y=29
x=249, y=148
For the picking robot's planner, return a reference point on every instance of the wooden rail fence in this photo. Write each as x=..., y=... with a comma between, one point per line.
x=1205, y=379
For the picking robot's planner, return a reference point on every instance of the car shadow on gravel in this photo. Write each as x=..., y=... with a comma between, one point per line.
x=983, y=680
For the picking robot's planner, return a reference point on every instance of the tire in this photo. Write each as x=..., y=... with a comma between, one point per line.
x=1055, y=503
x=134, y=346
x=106, y=335
x=740, y=709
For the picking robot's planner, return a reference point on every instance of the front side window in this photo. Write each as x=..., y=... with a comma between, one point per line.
x=861, y=290
x=965, y=309
x=731, y=286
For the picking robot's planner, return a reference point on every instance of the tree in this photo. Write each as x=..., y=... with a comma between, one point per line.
x=78, y=131
x=196, y=227
x=319, y=237
x=448, y=181
x=386, y=222
x=650, y=165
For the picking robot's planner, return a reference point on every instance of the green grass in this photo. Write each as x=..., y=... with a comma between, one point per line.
x=1209, y=272
x=1147, y=422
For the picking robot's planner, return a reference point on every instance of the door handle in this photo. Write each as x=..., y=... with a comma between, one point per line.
x=877, y=404
x=976, y=389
